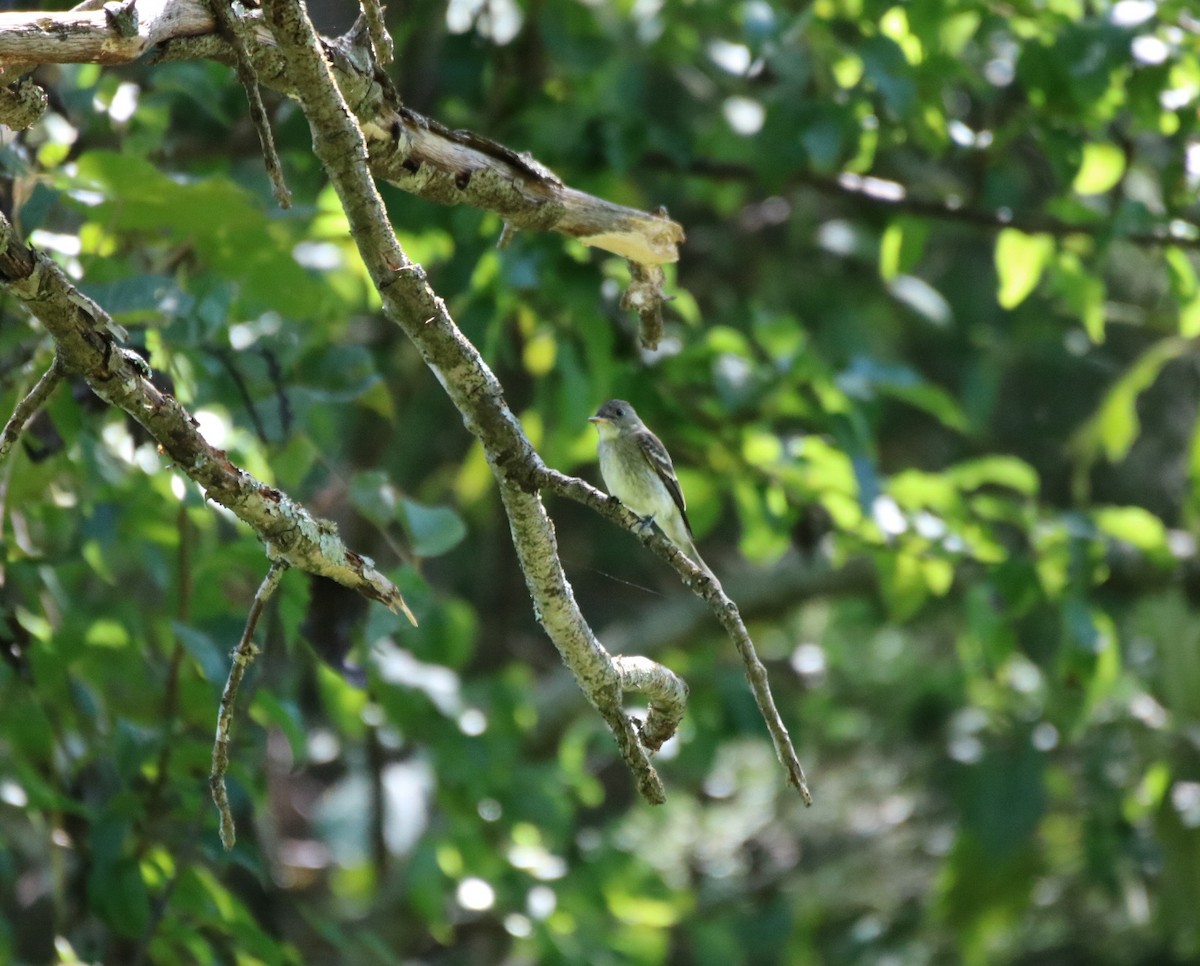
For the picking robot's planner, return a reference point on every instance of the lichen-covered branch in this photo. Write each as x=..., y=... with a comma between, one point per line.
x=595, y=670
x=415, y=153
x=411, y=303
x=702, y=583
x=666, y=691
x=22, y=104
x=240, y=660
x=232, y=27
x=85, y=344
x=97, y=36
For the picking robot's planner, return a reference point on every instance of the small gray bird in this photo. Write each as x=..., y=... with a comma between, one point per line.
x=637, y=470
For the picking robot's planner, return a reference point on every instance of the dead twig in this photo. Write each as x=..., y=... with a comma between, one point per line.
x=27, y=408
x=243, y=656
x=231, y=29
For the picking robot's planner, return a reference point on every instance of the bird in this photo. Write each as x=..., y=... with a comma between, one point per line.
x=637, y=470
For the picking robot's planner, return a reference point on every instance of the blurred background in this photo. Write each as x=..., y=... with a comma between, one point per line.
x=930, y=380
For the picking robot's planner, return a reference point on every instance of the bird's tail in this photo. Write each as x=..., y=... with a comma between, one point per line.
x=694, y=554
x=681, y=536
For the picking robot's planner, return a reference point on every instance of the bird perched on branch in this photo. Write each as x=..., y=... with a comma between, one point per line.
x=637, y=470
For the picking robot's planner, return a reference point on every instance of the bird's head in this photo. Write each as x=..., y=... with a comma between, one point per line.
x=614, y=417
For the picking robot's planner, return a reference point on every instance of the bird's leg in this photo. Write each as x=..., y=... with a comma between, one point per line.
x=646, y=522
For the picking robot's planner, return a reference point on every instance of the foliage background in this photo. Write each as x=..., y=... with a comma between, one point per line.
x=940, y=444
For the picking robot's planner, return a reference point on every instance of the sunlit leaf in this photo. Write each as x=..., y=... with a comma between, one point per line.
x=1133, y=525
x=1006, y=471
x=1102, y=167
x=1020, y=260
x=1115, y=426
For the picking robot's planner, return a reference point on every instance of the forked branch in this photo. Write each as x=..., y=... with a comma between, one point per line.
x=409, y=302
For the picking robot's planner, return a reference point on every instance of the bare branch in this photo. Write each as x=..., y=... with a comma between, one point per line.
x=706, y=586
x=232, y=30
x=242, y=657
x=28, y=407
x=879, y=194
x=84, y=338
x=666, y=691
x=411, y=303
x=381, y=40
x=459, y=167
x=415, y=153
x=91, y=37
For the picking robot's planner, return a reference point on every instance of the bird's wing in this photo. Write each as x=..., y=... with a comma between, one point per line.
x=660, y=459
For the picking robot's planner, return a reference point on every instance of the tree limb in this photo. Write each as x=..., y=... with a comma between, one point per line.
x=879, y=194
x=700, y=582
x=92, y=36
x=409, y=302
x=84, y=339
x=415, y=153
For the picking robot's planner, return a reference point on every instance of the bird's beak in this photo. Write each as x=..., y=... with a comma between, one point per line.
x=598, y=419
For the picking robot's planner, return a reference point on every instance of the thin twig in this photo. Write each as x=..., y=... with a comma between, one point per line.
x=243, y=390
x=243, y=656
x=27, y=408
x=873, y=193
x=230, y=29
x=381, y=40
x=704, y=585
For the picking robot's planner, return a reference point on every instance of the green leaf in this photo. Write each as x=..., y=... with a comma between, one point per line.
x=1189, y=319
x=1134, y=525
x=1102, y=167
x=1115, y=426
x=267, y=709
x=374, y=496
x=889, y=251
x=934, y=400
x=903, y=583
x=1084, y=292
x=1007, y=471
x=1020, y=260
x=901, y=246
x=204, y=651
x=1181, y=274
x=432, y=529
